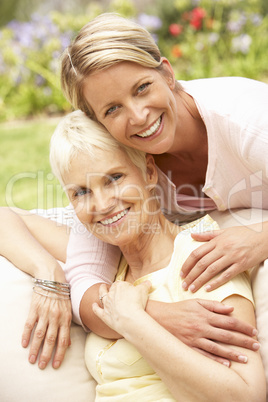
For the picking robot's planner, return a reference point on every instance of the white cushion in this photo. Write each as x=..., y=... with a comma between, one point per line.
x=20, y=380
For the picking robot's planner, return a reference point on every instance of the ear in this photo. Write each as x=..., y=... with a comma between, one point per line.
x=151, y=170
x=168, y=72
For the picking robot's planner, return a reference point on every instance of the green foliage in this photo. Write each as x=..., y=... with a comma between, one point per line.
x=201, y=38
x=26, y=180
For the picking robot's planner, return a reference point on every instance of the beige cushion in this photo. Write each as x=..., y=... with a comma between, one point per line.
x=259, y=276
x=20, y=380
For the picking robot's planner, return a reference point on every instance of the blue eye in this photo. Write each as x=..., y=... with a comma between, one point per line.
x=81, y=192
x=111, y=110
x=116, y=177
x=143, y=87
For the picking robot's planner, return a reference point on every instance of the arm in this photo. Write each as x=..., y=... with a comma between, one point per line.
x=177, y=364
x=33, y=244
x=200, y=324
x=227, y=252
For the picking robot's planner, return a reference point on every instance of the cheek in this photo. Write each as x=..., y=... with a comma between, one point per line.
x=82, y=210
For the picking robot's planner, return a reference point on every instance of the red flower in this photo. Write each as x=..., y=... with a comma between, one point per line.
x=196, y=17
x=175, y=29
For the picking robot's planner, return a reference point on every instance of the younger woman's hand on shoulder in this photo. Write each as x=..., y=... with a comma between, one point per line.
x=226, y=253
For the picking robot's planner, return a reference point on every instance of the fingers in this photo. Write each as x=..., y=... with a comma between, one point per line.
x=48, y=329
x=206, y=236
x=218, y=359
x=226, y=276
x=217, y=350
x=197, y=257
x=27, y=331
x=205, y=270
x=233, y=324
x=226, y=329
x=62, y=346
x=215, y=306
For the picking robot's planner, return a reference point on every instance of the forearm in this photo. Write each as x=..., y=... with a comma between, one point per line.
x=188, y=375
x=20, y=247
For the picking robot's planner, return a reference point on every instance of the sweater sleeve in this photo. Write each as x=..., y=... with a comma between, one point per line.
x=89, y=261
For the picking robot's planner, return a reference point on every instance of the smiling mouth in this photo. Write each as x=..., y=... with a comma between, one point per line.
x=115, y=218
x=152, y=130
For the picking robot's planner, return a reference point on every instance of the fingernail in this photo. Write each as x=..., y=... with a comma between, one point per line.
x=227, y=364
x=181, y=274
x=192, y=288
x=243, y=359
x=184, y=285
x=255, y=332
x=32, y=359
x=56, y=364
x=207, y=288
x=256, y=346
x=42, y=365
x=24, y=343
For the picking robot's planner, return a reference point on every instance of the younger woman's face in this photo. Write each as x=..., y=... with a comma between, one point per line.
x=135, y=104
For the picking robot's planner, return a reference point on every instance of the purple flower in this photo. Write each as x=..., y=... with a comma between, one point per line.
x=256, y=19
x=150, y=22
x=39, y=80
x=241, y=43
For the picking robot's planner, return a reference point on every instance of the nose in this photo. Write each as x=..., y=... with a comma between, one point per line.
x=138, y=113
x=104, y=202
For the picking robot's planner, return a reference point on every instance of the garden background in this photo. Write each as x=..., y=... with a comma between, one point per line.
x=201, y=38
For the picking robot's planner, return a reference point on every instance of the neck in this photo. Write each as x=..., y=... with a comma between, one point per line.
x=191, y=134
x=152, y=251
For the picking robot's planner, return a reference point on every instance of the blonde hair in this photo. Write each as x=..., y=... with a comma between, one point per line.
x=103, y=42
x=76, y=133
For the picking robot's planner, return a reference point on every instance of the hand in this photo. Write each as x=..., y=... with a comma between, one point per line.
x=230, y=251
x=122, y=302
x=52, y=318
x=200, y=324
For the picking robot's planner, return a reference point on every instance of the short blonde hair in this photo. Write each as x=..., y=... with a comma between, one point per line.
x=77, y=133
x=103, y=42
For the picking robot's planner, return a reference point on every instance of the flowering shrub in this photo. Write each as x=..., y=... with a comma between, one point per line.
x=204, y=38
x=201, y=38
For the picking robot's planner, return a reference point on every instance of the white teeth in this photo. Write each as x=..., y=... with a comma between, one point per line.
x=151, y=130
x=114, y=218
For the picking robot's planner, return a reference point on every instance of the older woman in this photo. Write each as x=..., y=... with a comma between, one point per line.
x=113, y=191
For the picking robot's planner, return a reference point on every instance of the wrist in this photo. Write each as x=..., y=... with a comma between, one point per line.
x=52, y=272
x=128, y=325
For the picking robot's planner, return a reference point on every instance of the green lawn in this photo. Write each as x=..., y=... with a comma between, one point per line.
x=26, y=180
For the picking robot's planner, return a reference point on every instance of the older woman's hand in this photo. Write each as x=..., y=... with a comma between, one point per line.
x=48, y=323
x=229, y=252
x=122, y=302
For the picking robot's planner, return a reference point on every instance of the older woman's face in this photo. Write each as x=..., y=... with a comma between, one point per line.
x=111, y=196
x=135, y=104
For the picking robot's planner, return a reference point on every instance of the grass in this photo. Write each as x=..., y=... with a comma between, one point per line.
x=26, y=180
